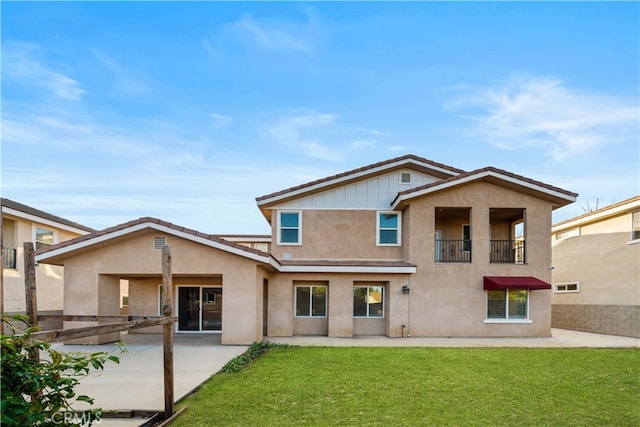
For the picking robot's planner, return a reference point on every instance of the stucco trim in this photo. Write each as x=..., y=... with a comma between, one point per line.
x=143, y=226
x=343, y=266
x=344, y=269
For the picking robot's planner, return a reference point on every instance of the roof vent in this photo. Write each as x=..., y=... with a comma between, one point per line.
x=159, y=242
x=405, y=178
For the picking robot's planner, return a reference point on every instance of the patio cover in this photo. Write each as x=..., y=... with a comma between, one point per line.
x=492, y=283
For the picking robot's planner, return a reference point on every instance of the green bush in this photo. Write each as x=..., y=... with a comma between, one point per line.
x=38, y=392
x=254, y=350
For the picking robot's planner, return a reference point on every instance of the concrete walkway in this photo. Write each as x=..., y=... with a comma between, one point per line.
x=559, y=338
x=137, y=382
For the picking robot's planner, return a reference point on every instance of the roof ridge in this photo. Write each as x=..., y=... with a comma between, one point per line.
x=361, y=169
x=152, y=220
x=487, y=169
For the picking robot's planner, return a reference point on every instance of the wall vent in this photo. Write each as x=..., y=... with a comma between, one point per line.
x=405, y=178
x=159, y=242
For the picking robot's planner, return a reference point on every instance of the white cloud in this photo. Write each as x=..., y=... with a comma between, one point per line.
x=278, y=37
x=219, y=120
x=318, y=135
x=124, y=81
x=22, y=62
x=544, y=112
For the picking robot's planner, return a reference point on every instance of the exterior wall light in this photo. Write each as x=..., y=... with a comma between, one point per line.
x=405, y=289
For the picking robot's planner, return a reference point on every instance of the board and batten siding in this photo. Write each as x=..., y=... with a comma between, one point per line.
x=374, y=193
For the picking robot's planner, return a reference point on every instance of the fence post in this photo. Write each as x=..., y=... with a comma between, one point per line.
x=167, y=310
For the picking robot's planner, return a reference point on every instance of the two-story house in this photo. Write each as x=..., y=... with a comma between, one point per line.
x=596, y=276
x=404, y=247
x=22, y=223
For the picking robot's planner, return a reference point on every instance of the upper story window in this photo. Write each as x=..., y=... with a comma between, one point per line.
x=289, y=228
x=388, y=229
x=44, y=237
x=573, y=232
x=635, y=227
x=405, y=178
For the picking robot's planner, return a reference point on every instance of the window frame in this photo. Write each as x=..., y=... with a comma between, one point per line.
x=398, y=228
x=310, y=315
x=506, y=319
x=54, y=236
x=566, y=290
x=280, y=228
x=368, y=315
x=635, y=226
x=403, y=175
x=466, y=243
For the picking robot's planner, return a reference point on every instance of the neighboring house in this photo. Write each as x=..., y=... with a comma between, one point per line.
x=22, y=223
x=596, y=276
x=402, y=247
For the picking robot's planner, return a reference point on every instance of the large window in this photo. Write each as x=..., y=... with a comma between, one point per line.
x=635, y=230
x=508, y=304
x=44, y=238
x=368, y=301
x=289, y=232
x=311, y=301
x=388, y=228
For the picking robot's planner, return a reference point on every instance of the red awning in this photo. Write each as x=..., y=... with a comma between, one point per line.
x=513, y=282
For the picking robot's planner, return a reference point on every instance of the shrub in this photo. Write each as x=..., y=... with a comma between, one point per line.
x=254, y=350
x=38, y=392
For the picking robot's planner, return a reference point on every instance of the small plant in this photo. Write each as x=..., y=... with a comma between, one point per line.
x=40, y=392
x=254, y=350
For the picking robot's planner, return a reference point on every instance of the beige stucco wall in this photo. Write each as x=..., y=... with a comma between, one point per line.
x=603, y=260
x=49, y=278
x=340, y=320
x=447, y=299
x=336, y=234
x=92, y=281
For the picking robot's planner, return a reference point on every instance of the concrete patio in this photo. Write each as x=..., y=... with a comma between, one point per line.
x=137, y=382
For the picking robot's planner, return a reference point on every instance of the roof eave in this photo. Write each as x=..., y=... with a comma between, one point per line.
x=559, y=198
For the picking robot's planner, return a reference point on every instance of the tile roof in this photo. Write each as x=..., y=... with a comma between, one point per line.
x=328, y=179
x=151, y=220
x=597, y=212
x=480, y=172
x=42, y=214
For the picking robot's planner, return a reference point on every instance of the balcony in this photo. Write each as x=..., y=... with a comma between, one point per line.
x=507, y=251
x=447, y=250
x=8, y=258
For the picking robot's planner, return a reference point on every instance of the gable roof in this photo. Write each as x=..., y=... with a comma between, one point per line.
x=615, y=209
x=501, y=177
x=27, y=212
x=407, y=161
x=56, y=253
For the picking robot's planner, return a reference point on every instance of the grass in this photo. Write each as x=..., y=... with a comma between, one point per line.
x=424, y=386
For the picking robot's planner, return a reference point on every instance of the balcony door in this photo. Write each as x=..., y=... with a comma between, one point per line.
x=199, y=309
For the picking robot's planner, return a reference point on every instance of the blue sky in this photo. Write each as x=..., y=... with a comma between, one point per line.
x=188, y=111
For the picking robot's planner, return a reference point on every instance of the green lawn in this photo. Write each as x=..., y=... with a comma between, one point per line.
x=424, y=386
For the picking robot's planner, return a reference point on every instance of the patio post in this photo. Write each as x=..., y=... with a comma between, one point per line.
x=167, y=310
